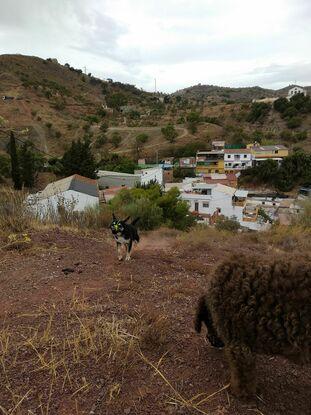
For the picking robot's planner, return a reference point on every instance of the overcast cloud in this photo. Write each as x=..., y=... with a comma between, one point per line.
x=179, y=42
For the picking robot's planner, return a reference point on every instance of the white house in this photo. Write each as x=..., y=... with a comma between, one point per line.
x=237, y=159
x=75, y=193
x=151, y=174
x=209, y=201
x=296, y=90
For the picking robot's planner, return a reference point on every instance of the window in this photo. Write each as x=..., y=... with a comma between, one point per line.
x=219, y=210
x=229, y=156
x=245, y=155
x=206, y=191
x=205, y=204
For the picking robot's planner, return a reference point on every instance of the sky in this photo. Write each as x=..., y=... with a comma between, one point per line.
x=179, y=42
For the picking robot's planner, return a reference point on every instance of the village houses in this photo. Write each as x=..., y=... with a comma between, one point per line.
x=75, y=193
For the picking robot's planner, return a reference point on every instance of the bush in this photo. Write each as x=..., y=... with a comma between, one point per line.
x=101, y=141
x=258, y=111
x=193, y=119
x=294, y=170
x=5, y=166
x=304, y=218
x=14, y=215
x=114, y=162
x=227, y=224
x=169, y=133
x=294, y=122
x=142, y=138
x=116, y=139
x=153, y=207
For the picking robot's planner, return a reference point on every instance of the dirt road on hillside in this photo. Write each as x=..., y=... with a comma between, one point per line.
x=183, y=130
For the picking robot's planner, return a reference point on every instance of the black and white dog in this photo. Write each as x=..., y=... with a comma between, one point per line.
x=124, y=234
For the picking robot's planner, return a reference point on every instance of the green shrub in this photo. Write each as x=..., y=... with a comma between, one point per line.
x=258, y=111
x=5, y=166
x=304, y=218
x=153, y=207
x=169, y=133
x=101, y=141
x=116, y=139
x=294, y=122
x=227, y=224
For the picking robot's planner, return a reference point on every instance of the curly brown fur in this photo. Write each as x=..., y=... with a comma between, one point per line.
x=260, y=307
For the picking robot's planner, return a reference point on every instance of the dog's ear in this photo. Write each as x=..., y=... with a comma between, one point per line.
x=126, y=219
x=114, y=216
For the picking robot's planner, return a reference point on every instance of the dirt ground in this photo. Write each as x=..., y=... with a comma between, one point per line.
x=174, y=371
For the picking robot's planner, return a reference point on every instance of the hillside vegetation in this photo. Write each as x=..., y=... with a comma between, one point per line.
x=54, y=104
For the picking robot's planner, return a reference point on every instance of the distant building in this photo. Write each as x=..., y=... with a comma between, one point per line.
x=210, y=162
x=154, y=174
x=168, y=176
x=295, y=90
x=261, y=153
x=237, y=159
x=74, y=193
x=228, y=179
x=210, y=201
x=110, y=193
x=187, y=162
x=117, y=179
x=218, y=144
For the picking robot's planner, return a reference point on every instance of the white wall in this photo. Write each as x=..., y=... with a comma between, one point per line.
x=218, y=200
x=238, y=159
x=70, y=198
x=296, y=90
x=147, y=175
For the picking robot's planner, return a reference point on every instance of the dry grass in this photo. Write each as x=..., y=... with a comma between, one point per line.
x=193, y=403
x=154, y=330
x=201, y=236
x=14, y=217
x=47, y=357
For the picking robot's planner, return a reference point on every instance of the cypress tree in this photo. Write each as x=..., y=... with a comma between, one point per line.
x=15, y=167
x=27, y=165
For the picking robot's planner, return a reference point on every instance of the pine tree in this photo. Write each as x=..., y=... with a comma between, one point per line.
x=78, y=159
x=15, y=167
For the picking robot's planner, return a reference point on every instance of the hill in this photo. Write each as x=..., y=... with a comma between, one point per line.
x=219, y=94
x=53, y=104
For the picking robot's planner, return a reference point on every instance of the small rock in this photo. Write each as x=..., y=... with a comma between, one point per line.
x=67, y=271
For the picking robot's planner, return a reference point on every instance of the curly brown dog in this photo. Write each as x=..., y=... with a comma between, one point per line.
x=253, y=307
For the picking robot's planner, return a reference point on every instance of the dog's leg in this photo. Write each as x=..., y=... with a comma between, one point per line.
x=119, y=251
x=128, y=250
x=242, y=367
